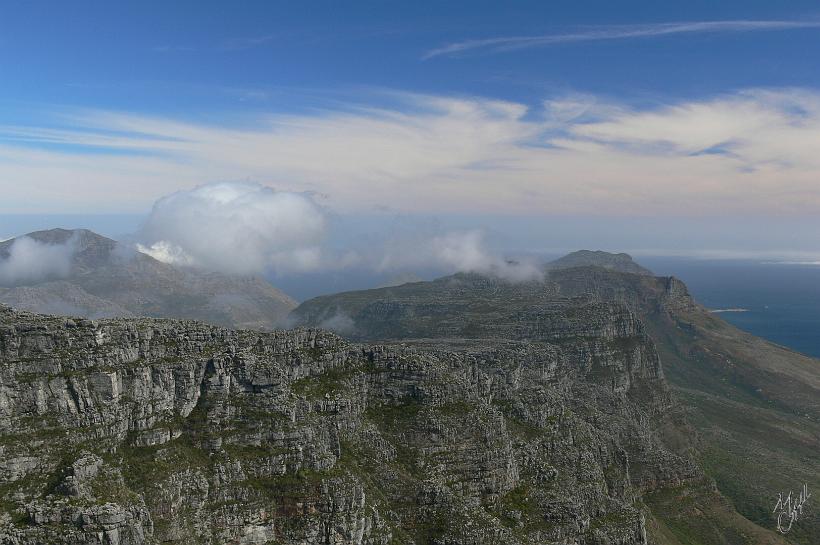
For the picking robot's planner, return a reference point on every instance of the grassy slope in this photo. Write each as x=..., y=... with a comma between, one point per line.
x=696, y=515
x=755, y=407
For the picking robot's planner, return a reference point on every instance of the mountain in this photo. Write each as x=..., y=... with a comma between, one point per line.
x=107, y=279
x=595, y=407
x=754, y=407
x=597, y=258
x=142, y=431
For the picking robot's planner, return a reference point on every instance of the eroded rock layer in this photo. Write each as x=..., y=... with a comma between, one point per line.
x=146, y=431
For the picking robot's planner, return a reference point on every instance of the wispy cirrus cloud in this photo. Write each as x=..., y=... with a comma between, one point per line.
x=233, y=44
x=238, y=44
x=751, y=153
x=612, y=32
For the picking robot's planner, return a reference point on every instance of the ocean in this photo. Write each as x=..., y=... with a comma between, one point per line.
x=781, y=301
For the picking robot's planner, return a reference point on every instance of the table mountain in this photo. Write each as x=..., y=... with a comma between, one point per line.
x=463, y=411
x=105, y=279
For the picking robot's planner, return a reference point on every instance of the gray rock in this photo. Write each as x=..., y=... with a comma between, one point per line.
x=167, y=431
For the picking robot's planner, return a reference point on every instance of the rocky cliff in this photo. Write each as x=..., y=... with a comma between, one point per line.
x=755, y=405
x=735, y=389
x=146, y=431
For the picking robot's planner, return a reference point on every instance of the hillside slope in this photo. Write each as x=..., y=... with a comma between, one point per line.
x=755, y=404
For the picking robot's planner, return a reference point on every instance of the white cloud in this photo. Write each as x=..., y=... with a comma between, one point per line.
x=615, y=32
x=746, y=153
x=167, y=252
x=246, y=228
x=31, y=261
x=457, y=251
x=340, y=323
x=240, y=228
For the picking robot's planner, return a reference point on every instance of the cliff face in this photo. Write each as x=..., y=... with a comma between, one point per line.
x=713, y=367
x=755, y=405
x=146, y=431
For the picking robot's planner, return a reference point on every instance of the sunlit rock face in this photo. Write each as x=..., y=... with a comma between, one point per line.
x=147, y=431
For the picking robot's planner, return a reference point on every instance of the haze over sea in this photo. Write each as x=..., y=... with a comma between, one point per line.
x=782, y=300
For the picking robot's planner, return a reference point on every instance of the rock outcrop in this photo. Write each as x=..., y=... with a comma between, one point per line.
x=135, y=431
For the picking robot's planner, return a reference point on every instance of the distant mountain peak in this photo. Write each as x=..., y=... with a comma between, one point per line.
x=100, y=277
x=89, y=250
x=59, y=235
x=620, y=262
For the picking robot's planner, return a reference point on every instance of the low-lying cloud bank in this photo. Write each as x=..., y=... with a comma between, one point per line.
x=247, y=228
x=30, y=261
x=251, y=229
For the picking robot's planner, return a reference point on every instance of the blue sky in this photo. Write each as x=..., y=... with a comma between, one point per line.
x=187, y=58
x=602, y=112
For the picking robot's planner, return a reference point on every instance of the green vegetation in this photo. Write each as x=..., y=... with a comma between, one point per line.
x=395, y=418
x=318, y=386
x=695, y=515
x=455, y=409
x=144, y=467
x=332, y=381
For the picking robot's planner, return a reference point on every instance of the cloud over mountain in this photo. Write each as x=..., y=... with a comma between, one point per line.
x=28, y=260
x=240, y=228
x=247, y=228
x=462, y=251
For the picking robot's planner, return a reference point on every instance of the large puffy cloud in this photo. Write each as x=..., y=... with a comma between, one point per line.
x=744, y=153
x=29, y=261
x=240, y=228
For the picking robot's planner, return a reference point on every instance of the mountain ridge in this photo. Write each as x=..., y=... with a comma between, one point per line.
x=596, y=407
x=721, y=375
x=621, y=262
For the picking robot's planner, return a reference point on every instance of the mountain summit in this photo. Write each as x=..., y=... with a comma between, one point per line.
x=89, y=250
x=96, y=277
x=597, y=258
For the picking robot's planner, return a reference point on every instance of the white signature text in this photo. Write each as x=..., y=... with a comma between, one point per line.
x=789, y=509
